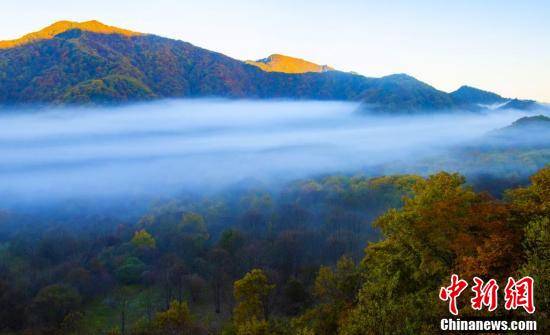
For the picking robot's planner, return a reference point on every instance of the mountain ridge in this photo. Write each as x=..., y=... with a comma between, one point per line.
x=529, y=130
x=469, y=94
x=60, y=27
x=90, y=62
x=288, y=64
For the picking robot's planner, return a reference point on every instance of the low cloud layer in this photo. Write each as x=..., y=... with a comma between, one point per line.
x=167, y=146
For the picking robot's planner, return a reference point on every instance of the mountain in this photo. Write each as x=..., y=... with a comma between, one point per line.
x=526, y=131
x=90, y=62
x=78, y=65
x=63, y=26
x=401, y=92
x=521, y=104
x=286, y=64
x=470, y=95
x=531, y=122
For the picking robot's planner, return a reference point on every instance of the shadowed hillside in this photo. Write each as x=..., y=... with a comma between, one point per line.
x=467, y=95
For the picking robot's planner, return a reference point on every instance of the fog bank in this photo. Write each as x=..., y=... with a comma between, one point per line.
x=162, y=147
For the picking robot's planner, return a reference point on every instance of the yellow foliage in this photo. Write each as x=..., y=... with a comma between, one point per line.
x=253, y=327
x=142, y=239
x=251, y=294
x=63, y=26
x=286, y=64
x=176, y=320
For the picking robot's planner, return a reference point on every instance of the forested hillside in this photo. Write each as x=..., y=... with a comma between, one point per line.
x=304, y=260
x=90, y=62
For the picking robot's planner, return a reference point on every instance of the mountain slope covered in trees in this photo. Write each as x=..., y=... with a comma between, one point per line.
x=89, y=62
x=285, y=263
x=468, y=95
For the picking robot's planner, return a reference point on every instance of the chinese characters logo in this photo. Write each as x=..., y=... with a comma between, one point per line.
x=517, y=293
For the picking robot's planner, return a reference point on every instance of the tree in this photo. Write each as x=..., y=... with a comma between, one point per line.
x=196, y=285
x=339, y=286
x=537, y=250
x=231, y=241
x=191, y=235
x=12, y=306
x=53, y=303
x=336, y=291
x=176, y=320
x=252, y=298
x=532, y=201
x=130, y=271
x=143, y=240
x=531, y=210
x=296, y=296
x=444, y=227
x=253, y=327
x=194, y=225
x=220, y=271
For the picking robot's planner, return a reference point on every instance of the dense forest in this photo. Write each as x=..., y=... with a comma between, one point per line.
x=329, y=255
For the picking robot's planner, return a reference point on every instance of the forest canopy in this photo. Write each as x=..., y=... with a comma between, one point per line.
x=332, y=255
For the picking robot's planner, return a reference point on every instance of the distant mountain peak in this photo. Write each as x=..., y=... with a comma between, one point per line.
x=400, y=76
x=62, y=26
x=471, y=95
x=471, y=89
x=287, y=64
x=529, y=129
x=521, y=105
x=532, y=120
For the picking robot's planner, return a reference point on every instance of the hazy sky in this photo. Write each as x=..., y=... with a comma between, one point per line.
x=502, y=46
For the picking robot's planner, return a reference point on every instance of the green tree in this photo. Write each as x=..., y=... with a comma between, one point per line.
x=252, y=297
x=531, y=209
x=336, y=291
x=537, y=250
x=130, y=271
x=194, y=224
x=53, y=303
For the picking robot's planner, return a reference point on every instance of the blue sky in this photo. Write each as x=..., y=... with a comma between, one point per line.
x=502, y=46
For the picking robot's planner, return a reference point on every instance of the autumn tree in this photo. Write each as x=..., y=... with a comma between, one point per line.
x=252, y=293
x=444, y=227
x=531, y=210
x=176, y=320
x=336, y=291
x=143, y=240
